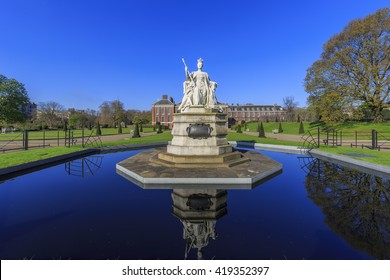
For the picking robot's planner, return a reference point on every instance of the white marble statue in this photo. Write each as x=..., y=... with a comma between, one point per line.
x=198, y=89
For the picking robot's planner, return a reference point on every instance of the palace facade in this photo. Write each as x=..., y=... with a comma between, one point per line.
x=163, y=110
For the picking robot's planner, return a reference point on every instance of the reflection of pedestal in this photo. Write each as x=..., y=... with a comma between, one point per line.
x=198, y=210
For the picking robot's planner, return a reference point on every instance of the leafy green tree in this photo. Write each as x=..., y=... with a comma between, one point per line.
x=13, y=99
x=239, y=128
x=353, y=68
x=75, y=120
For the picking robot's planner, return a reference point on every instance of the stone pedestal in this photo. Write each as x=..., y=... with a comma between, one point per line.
x=199, y=141
x=190, y=135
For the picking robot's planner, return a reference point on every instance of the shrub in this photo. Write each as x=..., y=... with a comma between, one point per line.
x=301, y=129
x=260, y=129
x=280, y=129
x=136, y=131
x=98, y=130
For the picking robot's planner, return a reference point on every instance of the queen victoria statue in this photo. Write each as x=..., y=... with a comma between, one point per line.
x=198, y=89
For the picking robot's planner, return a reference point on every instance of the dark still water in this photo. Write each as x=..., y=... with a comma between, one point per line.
x=84, y=210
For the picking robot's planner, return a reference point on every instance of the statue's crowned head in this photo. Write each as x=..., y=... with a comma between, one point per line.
x=200, y=63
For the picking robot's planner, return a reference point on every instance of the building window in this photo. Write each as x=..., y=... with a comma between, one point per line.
x=162, y=111
x=169, y=111
x=156, y=119
x=157, y=111
x=169, y=118
x=162, y=119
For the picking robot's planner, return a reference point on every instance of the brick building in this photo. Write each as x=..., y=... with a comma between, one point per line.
x=250, y=112
x=162, y=111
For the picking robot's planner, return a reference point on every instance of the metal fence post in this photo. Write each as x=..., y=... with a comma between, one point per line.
x=82, y=137
x=318, y=137
x=43, y=138
x=373, y=139
x=25, y=138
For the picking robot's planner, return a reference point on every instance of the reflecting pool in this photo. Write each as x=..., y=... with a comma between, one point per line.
x=84, y=210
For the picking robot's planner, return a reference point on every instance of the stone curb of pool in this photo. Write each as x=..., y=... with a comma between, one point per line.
x=363, y=166
x=343, y=160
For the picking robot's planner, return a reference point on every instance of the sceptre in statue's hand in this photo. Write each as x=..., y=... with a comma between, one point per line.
x=186, y=69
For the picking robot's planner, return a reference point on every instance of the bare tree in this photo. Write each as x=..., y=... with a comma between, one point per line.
x=290, y=106
x=51, y=113
x=112, y=113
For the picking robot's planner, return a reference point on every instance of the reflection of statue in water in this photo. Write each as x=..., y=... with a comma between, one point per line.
x=198, y=89
x=197, y=235
x=198, y=211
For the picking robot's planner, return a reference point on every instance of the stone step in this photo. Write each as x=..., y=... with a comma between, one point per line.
x=199, y=159
x=232, y=159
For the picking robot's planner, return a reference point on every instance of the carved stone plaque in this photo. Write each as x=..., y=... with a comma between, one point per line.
x=199, y=202
x=199, y=131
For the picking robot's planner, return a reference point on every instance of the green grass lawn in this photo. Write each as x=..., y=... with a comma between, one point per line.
x=377, y=157
x=347, y=129
x=152, y=138
x=20, y=157
x=288, y=127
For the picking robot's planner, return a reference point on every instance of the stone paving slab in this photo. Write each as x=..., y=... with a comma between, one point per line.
x=141, y=170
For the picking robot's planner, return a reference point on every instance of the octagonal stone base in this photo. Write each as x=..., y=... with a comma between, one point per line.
x=143, y=170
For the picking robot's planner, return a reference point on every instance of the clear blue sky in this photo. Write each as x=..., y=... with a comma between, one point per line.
x=80, y=53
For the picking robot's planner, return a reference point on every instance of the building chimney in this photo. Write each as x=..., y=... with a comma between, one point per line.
x=165, y=96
